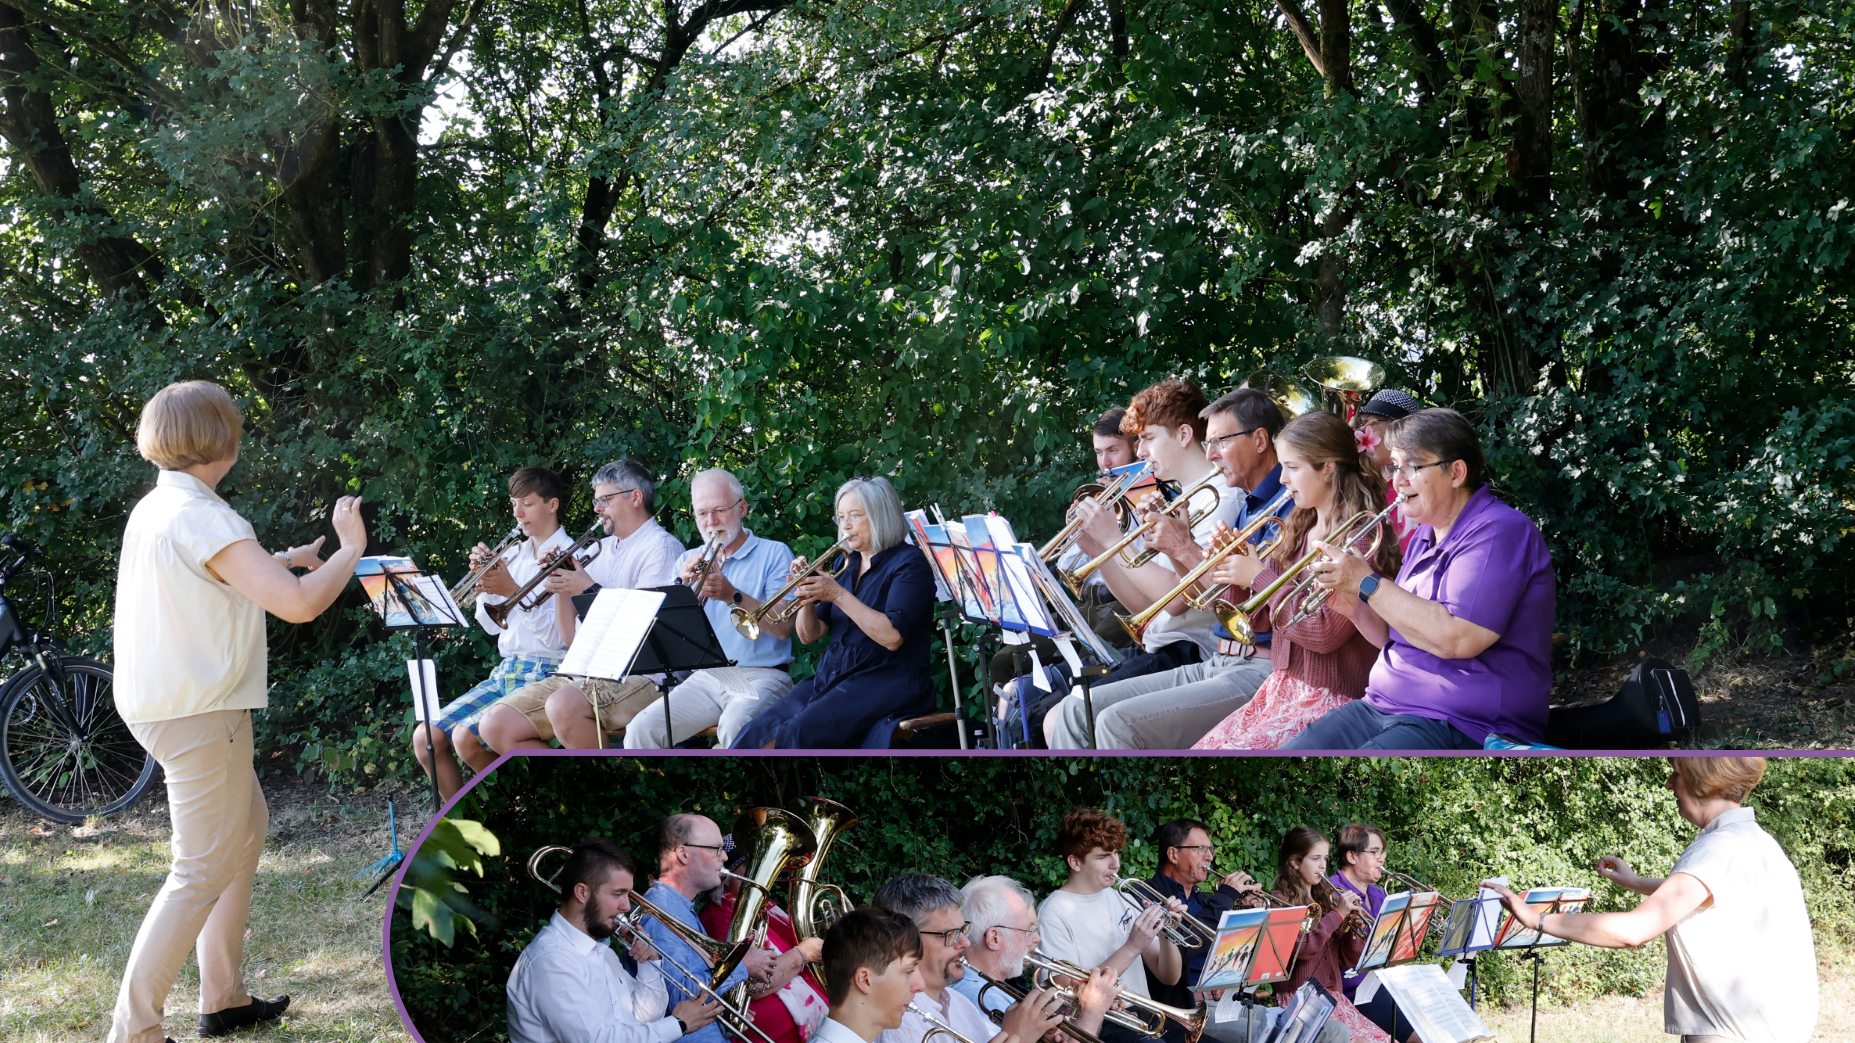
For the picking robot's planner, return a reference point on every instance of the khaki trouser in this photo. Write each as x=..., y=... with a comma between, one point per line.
x=618, y=701
x=219, y=820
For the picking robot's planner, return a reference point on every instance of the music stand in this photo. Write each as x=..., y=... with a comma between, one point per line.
x=408, y=598
x=1531, y=951
x=680, y=640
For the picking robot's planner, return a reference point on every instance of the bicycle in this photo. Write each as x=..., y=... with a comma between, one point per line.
x=65, y=753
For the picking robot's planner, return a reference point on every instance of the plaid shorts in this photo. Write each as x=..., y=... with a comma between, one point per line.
x=512, y=673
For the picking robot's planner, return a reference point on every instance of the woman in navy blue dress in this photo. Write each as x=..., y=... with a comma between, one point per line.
x=880, y=614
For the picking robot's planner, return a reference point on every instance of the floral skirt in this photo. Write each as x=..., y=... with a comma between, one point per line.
x=1281, y=709
x=1361, y=1027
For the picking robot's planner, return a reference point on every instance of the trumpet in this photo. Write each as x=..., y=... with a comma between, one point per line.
x=719, y=955
x=748, y=623
x=710, y=553
x=1182, y=929
x=1016, y=995
x=1313, y=916
x=1045, y=969
x=1194, y=1021
x=1076, y=576
x=499, y=612
x=1109, y=496
x=1237, y=618
x=466, y=589
x=1213, y=599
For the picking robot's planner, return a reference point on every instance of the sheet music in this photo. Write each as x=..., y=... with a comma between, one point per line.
x=607, y=641
x=1435, y=1009
x=390, y=581
x=430, y=691
x=1018, y=578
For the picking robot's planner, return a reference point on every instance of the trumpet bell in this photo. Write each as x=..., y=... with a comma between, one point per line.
x=746, y=623
x=1289, y=395
x=1344, y=381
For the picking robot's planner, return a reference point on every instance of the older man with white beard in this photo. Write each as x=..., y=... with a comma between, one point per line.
x=1001, y=930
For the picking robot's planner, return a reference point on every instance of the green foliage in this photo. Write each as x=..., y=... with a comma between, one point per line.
x=430, y=892
x=808, y=241
x=1451, y=822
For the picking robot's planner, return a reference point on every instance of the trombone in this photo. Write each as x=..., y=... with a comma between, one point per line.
x=748, y=623
x=1016, y=995
x=717, y=954
x=1181, y=929
x=1075, y=577
x=1239, y=543
x=1193, y=1020
x=1237, y=618
x=499, y=612
x=1413, y=884
x=466, y=589
x=1109, y=496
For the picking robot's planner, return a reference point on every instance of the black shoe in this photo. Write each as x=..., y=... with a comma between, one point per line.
x=224, y=1022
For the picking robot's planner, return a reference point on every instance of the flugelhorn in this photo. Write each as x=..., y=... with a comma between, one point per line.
x=1076, y=576
x=1016, y=995
x=1238, y=618
x=748, y=623
x=466, y=589
x=1109, y=496
x=1213, y=597
x=936, y=1027
x=710, y=552
x=1182, y=929
x=499, y=612
x=1045, y=969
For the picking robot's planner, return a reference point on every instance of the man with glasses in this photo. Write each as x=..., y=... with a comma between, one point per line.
x=935, y=907
x=690, y=858
x=1185, y=857
x=746, y=569
x=1001, y=930
x=1174, y=708
x=635, y=553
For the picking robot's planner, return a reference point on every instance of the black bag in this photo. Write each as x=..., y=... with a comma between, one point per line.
x=1656, y=706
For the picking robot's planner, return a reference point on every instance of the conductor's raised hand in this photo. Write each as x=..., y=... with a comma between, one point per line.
x=308, y=556
x=346, y=518
x=1614, y=869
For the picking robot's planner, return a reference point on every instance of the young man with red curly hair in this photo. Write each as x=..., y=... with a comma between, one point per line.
x=1167, y=420
x=1088, y=923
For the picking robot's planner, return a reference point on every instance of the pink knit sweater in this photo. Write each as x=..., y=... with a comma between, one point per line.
x=1324, y=650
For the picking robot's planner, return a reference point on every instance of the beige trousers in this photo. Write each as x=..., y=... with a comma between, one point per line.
x=219, y=820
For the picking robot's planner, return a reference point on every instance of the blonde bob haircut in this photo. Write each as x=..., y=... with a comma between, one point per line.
x=187, y=424
x=1720, y=778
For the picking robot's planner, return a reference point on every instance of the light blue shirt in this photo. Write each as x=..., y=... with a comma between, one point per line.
x=757, y=569
x=996, y=1000
x=671, y=901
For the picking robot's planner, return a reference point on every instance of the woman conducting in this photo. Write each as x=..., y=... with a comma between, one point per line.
x=1320, y=663
x=880, y=614
x=1466, y=628
x=1741, y=959
x=191, y=595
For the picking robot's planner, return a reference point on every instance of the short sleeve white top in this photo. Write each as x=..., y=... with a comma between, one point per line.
x=531, y=632
x=1745, y=966
x=187, y=643
x=1195, y=624
x=1087, y=929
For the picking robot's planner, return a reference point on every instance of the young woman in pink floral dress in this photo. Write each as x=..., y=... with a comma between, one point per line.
x=1338, y=936
x=1323, y=661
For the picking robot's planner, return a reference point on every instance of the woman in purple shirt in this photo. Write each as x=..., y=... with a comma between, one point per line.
x=1466, y=631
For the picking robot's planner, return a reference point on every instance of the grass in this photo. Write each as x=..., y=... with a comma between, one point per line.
x=1638, y=1019
x=71, y=899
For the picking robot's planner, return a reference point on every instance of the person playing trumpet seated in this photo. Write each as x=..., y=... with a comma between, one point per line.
x=635, y=552
x=879, y=613
x=742, y=571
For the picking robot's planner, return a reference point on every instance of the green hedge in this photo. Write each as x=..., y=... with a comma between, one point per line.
x=1450, y=821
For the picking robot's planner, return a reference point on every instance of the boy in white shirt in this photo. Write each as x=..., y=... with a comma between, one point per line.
x=872, y=971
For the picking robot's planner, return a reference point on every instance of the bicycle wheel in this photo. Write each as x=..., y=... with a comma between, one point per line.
x=64, y=751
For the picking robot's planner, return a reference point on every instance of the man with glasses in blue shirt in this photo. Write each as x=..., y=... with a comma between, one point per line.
x=746, y=569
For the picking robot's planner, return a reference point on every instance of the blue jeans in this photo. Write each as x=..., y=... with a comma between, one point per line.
x=1356, y=726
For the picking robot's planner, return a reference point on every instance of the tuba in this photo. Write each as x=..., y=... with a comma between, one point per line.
x=773, y=840
x=816, y=904
x=1345, y=382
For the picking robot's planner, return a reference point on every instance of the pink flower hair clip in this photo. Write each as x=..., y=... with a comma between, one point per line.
x=1366, y=440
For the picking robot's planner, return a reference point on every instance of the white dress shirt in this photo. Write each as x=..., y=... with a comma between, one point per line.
x=533, y=633
x=835, y=1032
x=646, y=558
x=960, y=1014
x=186, y=643
x=567, y=988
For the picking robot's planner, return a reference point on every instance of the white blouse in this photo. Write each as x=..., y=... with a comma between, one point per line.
x=186, y=642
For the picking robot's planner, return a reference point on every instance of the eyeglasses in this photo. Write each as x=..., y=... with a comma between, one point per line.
x=599, y=502
x=1207, y=848
x=708, y=847
x=949, y=937
x=1409, y=471
x=848, y=517
x=1216, y=445
x=714, y=512
x=1032, y=929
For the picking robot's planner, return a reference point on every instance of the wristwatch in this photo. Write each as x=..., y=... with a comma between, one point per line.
x=681, y=1024
x=1368, y=587
x=737, y=598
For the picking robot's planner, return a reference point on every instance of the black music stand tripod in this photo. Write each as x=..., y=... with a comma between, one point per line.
x=425, y=617
x=680, y=641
